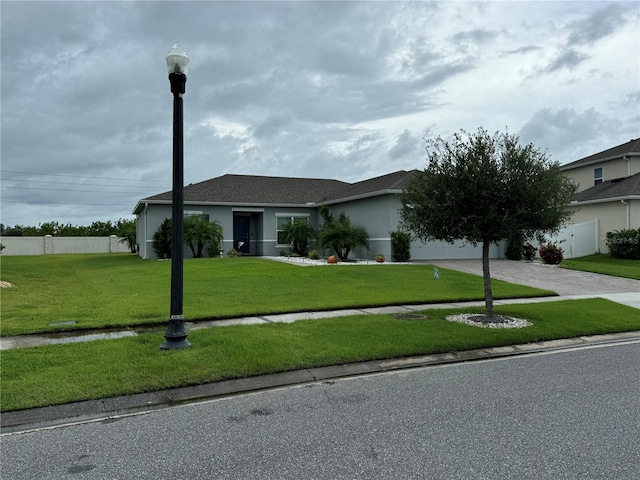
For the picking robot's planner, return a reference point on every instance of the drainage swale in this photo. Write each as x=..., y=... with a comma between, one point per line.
x=410, y=316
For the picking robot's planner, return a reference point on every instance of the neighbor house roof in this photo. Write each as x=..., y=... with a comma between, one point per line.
x=611, y=190
x=631, y=148
x=262, y=190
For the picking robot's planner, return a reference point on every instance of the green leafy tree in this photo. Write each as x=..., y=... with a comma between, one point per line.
x=198, y=233
x=298, y=234
x=340, y=235
x=162, y=239
x=482, y=189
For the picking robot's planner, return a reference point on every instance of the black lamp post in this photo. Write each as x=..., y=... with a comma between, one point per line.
x=176, y=334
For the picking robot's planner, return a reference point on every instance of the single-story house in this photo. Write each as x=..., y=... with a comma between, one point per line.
x=609, y=190
x=253, y=210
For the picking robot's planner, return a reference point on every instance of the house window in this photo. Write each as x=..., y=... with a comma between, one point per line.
x=597, y=176
x=281, y=224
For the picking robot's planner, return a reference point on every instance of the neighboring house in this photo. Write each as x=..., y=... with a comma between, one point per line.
x=253, y=211
x=609, y=190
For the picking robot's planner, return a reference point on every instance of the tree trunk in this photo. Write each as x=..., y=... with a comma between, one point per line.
x=488, y=295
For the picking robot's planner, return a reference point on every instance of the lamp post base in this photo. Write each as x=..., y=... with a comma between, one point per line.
x=176, y=335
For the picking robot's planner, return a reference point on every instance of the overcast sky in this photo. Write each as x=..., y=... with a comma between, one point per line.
x=342, y=90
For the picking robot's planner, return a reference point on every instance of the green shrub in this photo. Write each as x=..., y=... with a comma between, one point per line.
x=162, y=239
x=551, y=254
x=232, y=253
x=624, y=243
x=314, y=255
x=400, y=246
x=514, y=249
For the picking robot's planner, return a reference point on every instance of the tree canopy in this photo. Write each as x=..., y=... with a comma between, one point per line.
x=484, y=188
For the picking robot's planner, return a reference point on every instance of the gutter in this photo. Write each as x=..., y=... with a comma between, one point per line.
x=575, y=203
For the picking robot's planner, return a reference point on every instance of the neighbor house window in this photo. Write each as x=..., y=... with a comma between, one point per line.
x=281, y=224
x=597, y=175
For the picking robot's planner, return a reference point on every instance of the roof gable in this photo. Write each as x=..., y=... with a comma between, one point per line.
x=632, y=147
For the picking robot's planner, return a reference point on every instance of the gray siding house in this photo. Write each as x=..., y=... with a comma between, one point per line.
x=253, y=210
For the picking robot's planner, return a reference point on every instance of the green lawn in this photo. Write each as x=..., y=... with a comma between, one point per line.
x=57, y=374
x=606, y=264
x=112, y=290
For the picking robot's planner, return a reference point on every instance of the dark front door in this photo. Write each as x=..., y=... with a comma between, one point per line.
x=241, y=234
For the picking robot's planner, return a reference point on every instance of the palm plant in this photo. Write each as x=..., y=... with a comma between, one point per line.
x=341, y=236
x=297, y=233
x=198, y=233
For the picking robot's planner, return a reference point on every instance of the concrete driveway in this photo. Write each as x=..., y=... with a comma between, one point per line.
x=561, y=280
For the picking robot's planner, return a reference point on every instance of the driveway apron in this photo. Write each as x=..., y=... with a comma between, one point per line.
x=561, y=280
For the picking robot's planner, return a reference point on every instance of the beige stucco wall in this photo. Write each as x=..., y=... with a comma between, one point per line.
x=611, y=169
x=611, y=215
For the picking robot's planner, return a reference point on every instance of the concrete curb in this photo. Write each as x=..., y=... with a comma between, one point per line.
x=110, y=408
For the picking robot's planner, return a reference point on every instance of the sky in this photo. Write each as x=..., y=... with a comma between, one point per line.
x=343, y=90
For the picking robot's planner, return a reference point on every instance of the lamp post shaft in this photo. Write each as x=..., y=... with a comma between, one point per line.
x=176, y=334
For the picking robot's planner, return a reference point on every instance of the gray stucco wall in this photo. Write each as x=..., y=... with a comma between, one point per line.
x=379, y=215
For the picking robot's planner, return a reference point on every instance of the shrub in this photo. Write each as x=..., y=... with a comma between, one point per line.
x=624, y=243
x=314, y=255
x=232, y=253
x=514, y=249
x=162, y=239
x=551, y=254
x=528, y=251
x=400, y=246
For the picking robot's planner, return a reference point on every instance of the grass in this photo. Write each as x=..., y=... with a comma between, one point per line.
x=115, y=290
x=56, y=374
x=605, y=264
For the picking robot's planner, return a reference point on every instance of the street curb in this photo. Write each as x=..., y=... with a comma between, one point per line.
x=105, y=409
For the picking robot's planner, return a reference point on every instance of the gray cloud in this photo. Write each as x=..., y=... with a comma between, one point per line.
x=599, y=24
x=319, y=89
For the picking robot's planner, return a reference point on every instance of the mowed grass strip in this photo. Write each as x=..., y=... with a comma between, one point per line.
x=57, y=374
x=605, y=264
x=115, y=290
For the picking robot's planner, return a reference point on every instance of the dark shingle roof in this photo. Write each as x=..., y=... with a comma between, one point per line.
x=391, y=181
x=631, y=147
x=253, y=189
x=620, y=187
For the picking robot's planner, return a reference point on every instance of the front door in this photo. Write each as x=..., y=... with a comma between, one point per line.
x=241, y=234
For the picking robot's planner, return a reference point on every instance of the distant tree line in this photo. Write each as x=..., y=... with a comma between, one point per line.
x=57, y=229
x=125, y=229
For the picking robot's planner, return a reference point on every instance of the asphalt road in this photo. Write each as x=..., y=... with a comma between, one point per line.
x=564, y=414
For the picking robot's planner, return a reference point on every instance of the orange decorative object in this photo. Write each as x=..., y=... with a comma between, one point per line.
x=332, y=259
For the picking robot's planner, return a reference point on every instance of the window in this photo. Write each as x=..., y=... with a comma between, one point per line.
x=597, y=176
x=281, y=224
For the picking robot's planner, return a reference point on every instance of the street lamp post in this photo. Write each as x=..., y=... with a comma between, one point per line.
x=176, y=334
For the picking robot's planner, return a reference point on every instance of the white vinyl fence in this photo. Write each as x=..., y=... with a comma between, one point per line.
x=51, y=245
x=578, y=239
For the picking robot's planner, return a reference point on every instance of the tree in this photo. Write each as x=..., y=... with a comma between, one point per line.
x=482, y=189
x=198, y=233
x=297, y=233
x=162, y=239
x=126, y=230
x=339, y=235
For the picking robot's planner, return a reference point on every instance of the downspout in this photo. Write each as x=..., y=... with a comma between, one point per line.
x=624, y=157
x=628, y=213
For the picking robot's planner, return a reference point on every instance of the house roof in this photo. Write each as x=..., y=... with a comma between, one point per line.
x=618, y=188
x=264, y=190
x=631, y=148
